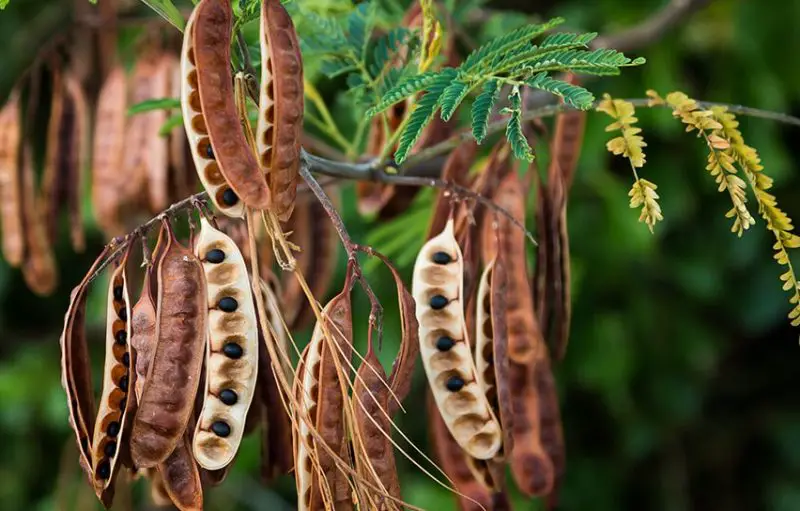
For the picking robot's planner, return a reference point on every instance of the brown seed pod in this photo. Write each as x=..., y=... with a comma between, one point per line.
x=108, y=183
x=318, y=389
x=10, y=186
x=158, y=491
x=181, y=478
x=158, y=160
x=111, y=430
x=552, y=434
x=280, y=118
x=524, y=330
x=76, y=374
x=75, y=155
x=53, y=183
x=444, y=346
x=143, y=326
x=491, y=348
x=208, y=87
x=39, y=269
x=173, y=377
x=230, y=377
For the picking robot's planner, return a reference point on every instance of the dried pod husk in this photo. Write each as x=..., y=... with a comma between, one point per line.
x=111, y=429
x=143, y=326
x=10, y=185
x=316, y=236
x=181, y=478
x=318, y=389
x=445, y=350
x=552, y=434
x=500, y=235
x=174, y=374
x=74, y=156
x=280, y=118
x=110, y=187
x=39, y=267
x=230, y=380
x=491, y=348
x=76, y=374
x=54, y=181
x=208, y=89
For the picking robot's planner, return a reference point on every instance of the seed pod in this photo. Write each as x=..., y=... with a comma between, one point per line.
x=75, y=155
x=456, y=170
x=173, y=377
x=158, y=160
x=552, y=435
x=223, y=158
x=318, y=389
x=181, y=478
x=108, y=183
x=444, y=346
x=491, y=348
x=10, y=186
x=111, y=431
x=280, y=119
x=143, y=326
x=53, y=182
x=180, y=175
x=39, y=269
x=76, y=374
x=230, y=381
x=158, y=492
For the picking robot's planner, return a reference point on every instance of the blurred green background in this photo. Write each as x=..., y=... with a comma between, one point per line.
x=679, y=387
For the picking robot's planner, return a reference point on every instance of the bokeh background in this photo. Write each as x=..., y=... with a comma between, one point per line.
x=679, y=389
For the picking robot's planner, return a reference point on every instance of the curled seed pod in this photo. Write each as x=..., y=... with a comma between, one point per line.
x=76, y=374
x=552, y=434
x=181, y=478
x=438, y=291
x=208, y=87
x=318, y=389
x=108, y=183
x=39, y=268
x=75, y=155
x=230, y=382
x=173, y=377
x=143, y=334
x=109, y=443
x=524, y=330
x=10, y=186
x=491, y=348
x=280, y=119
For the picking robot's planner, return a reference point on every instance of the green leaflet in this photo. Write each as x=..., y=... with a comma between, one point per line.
x=423, y=113
x=167, y=10
x=482, y=109
x=516, y=138
x=154, y=104
x=573, y=95
x=452, y=97
x=406, y=88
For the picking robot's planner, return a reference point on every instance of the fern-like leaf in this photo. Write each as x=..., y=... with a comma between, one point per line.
x=359, y=27
x=408, y=87
x=385, y=48
x=482, y=109
x=505, y=44
x=423, y=113
x=573, y=95
x=516, y=138
x=643, y=193
x=452, y=97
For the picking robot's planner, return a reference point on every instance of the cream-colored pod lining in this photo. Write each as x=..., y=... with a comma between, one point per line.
x=231, y=350
x=483, y=340
x=197, y=132
x=438, y=291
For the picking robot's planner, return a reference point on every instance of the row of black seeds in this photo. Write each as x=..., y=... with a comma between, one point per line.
x=445, y=342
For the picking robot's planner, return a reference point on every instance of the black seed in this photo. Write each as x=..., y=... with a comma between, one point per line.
x=444, y=343
x=113, y=429
x=123, y=383
x=438, y=302
x=229, y=197
x=126, y=359
x=118, y=293
x=110, y=449
x=123, y=314
x=232, y=350
x=215, y=256
x=209, y=151
x=442, y=258
x=221, y=428
x=228, y=397
x=227, y=304
x=122, y=403
x=454, y=384
x=104, y=469
x=121, y=337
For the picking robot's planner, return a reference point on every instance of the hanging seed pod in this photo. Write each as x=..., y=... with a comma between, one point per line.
x=158, y=161
x=173, y=377
x=108, y=183
x=39, y=268
x=180, y=176
x=318, y=389
x=552, y=435
x=75, y=156
x=225, y=162
x=76, y=374
x=111, y=430
x=158, y=492
x=10, y=186
x=181, y=478
x=53, y=182
x=438, y=291
x=280, y=119
x=456, y=171
x=230, y=381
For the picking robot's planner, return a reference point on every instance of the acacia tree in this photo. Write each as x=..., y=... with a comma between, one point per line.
x=224, y=307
